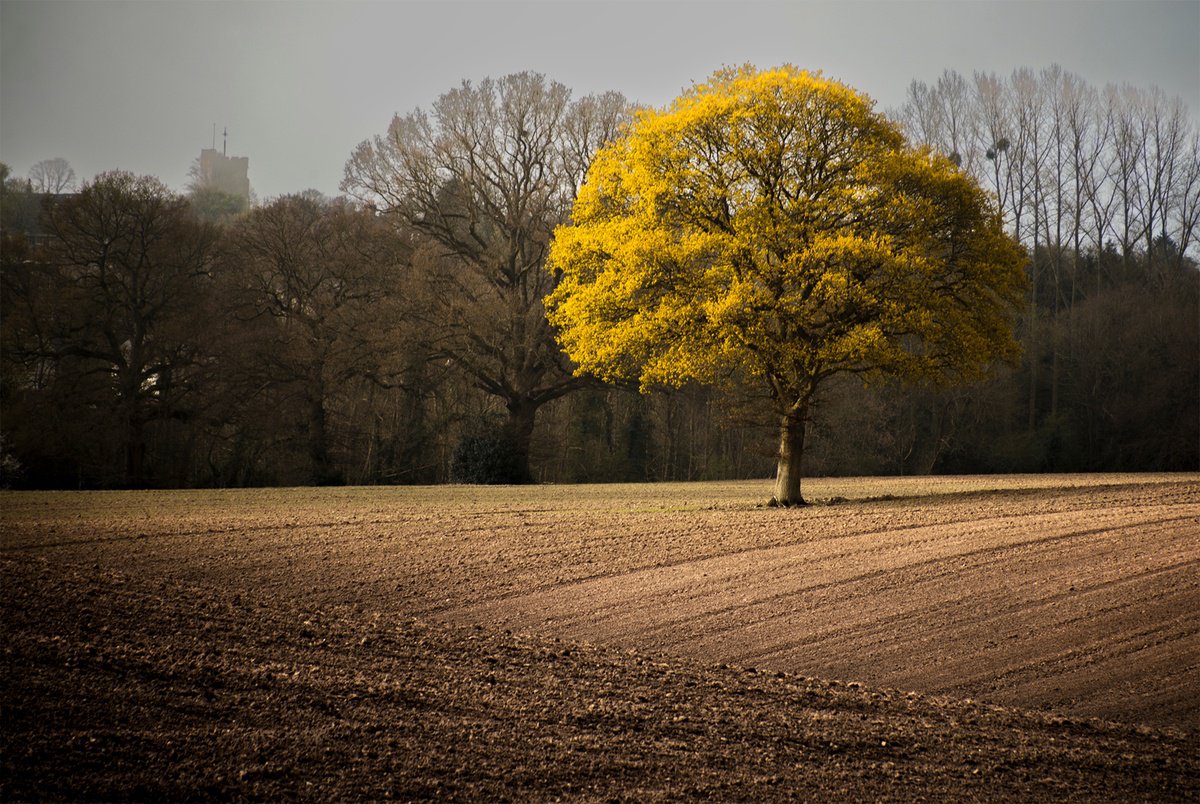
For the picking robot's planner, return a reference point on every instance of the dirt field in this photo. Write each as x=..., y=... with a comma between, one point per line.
x=1000, y=638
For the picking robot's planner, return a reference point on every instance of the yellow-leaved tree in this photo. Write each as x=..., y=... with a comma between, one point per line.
x=771, y=229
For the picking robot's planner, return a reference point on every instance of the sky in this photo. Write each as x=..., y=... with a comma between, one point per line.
x=139, y=86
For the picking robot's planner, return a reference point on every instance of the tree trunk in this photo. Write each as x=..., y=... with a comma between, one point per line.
x=1034, y=356
x=135, y=453
x=521, y=416
x=318, y=444
x=791, y=451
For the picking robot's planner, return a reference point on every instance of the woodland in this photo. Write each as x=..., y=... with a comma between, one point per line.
x=398, y=334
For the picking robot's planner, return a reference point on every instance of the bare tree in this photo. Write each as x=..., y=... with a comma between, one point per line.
x=484, y=178
x=944, y=117
x=1069, y=165
x=1124, y=106
x=1099, y=188
x=1185, y=212
x=1057, y=207
x=1029, y=158
x=131, y=270
x=1082, y=132
x=590, y=122
x=996, y=131
x=52, y=176
x=1168, y=134
x=312, y=282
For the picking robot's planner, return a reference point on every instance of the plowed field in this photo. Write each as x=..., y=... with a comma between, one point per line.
x=1001, y=637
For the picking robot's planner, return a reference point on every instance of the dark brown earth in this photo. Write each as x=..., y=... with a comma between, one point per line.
x=642, y=643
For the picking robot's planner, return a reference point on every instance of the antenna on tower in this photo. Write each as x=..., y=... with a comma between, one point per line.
x=214, y=136
x=224, y=140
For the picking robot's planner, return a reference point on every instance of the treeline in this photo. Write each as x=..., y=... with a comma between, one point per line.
x=396, y=335
x=1103, y=188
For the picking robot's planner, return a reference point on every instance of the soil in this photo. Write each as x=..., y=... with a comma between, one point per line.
x=958, y=638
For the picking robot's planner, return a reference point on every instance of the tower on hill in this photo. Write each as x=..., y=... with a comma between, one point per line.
x=228, y=174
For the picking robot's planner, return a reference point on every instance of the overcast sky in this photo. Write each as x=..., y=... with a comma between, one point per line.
x=139, y=85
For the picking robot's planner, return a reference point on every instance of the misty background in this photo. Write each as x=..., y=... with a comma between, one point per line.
x=140, y=85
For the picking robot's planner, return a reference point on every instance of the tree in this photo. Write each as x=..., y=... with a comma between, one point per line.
x=52, y=176
x=943, y=116
x=217, y=206
x=771, y=229
x=483, y=180
x=1187, y=208
x=113, y=310
x=311, y=282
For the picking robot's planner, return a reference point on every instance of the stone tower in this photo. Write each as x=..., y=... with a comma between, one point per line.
x=229, y=174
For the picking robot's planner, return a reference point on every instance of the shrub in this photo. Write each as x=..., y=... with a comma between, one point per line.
x=489, y=458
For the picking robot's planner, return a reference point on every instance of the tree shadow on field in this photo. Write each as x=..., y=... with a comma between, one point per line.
x=845, y=500
x=960, y=495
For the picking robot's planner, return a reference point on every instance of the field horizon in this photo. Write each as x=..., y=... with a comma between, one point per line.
x=1019, y=637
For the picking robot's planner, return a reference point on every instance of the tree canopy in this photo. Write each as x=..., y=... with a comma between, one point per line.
x=108, y=311
x=772, y=228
